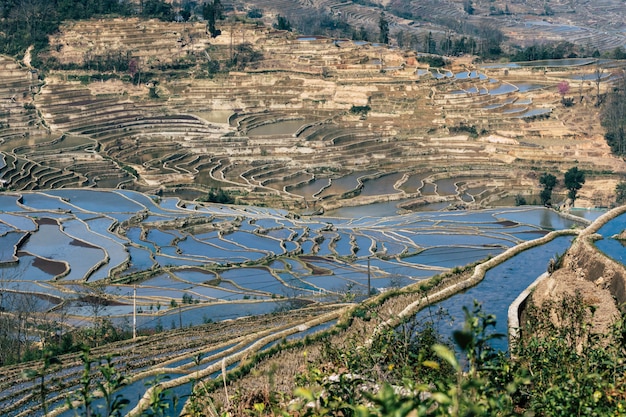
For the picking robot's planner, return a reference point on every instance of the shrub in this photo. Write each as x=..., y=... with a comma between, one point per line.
x=362, y=110
x=435, y=61
x=218, y=195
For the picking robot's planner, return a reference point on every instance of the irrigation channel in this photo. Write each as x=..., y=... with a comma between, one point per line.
x=497, y=290
x=191, y=263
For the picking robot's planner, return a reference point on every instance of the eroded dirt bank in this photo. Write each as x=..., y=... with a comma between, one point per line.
x=600, y=280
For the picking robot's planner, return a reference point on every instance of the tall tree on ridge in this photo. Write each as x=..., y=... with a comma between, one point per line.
x=213, y=11
x=383, y=25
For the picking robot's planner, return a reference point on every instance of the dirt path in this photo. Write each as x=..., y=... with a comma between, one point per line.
x=27, y=56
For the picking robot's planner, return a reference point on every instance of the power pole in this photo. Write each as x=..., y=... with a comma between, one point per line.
x=369, y=285
x=232, y=29
x=134, y=312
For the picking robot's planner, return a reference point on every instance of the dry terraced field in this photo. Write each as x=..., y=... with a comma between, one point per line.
x=277, y=130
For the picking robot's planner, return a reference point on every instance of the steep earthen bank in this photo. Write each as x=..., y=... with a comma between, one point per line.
x=600, y=280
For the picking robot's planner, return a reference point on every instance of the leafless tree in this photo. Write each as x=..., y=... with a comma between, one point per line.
x=93, y=296
x=598, y=75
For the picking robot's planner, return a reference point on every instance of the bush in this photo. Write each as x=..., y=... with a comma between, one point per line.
x=218, y=195
x=362, y=110
x=560, y=369
x=567, y=101
x=255, y=13
x=433, y=60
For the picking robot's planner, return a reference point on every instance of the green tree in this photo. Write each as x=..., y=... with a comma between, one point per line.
x=574, y=180
x=158, y=9
x=548, y=181
x=50, y=364
x=219, y=196
x=618, y=53
x=468, y=6
x=282, y=23
x=213, y=11
x=383, y=26
x=620, y=193
x=401, y=39
x=360, y=35
x=430, y=45
x=255, y=13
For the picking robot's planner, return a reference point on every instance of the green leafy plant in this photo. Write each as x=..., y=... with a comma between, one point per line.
x=50, y=363
x=93, y=386
x=160, y=399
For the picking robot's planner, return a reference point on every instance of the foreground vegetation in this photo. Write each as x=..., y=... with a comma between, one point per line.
x=559, y=367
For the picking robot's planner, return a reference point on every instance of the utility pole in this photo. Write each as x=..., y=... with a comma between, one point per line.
x=134, y=312
x=232, y=29
x=369, y=285
x=180, y=318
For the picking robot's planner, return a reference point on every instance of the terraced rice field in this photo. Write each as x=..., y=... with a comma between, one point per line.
x=177, y=357
x=176, y=267
x=79, y=240
x=279, y=133
x=228, y=261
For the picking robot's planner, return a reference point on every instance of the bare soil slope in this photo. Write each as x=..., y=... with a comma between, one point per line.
x=599, y=279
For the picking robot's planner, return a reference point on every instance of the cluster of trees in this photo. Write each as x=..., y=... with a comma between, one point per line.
x=29, y=22
x=573, y=181
x=487, y=47
x=64, y=9
x=613, y=117
x=321, y=22
x=218, y=195
x=546, y=51
x=26, y=318
x=282, y=23
x=561, y=50
x=112, y=60
x=245, y=54
x=360, y=110
x=17, y=313
x=482, y=40
x=157, y=9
